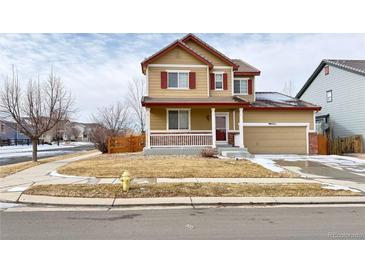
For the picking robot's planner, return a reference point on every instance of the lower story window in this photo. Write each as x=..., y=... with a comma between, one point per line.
x=178, y=119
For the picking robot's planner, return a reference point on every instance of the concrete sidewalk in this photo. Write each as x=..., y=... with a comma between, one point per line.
x=11, y=187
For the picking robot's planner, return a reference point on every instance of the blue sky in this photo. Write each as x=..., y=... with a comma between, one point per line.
x=96, y=68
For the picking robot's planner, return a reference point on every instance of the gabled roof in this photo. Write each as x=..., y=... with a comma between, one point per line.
x=355, y=66
x=215, y=52
x=170, y=47
x=245, y=69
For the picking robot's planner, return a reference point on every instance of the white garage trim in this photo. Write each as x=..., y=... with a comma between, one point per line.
x=306, y=125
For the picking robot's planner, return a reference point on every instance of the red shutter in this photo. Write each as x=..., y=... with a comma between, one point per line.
x=225, y=81
x=212, y=81
x=192, y=80
x=250, y=86
x=163, y=79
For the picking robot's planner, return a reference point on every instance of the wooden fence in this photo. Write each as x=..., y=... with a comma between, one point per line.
x=351, y=144
x=122, y=144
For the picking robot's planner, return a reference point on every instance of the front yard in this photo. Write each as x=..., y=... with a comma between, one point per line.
x=186, y=190
x=139, y=166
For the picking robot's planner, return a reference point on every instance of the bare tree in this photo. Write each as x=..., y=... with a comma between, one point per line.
x=75, y=132
x=115, y=118
x=137, y=89
x=39, y=108
x=111, y=120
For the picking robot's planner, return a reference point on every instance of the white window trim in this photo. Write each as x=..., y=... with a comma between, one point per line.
x=178, y=71
x=244, y=79
x=329, y=91
x=177, y=109
x=215, y=81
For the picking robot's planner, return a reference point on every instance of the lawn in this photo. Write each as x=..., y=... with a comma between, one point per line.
x=14, y=168
x=186, y=190
x=139, y=166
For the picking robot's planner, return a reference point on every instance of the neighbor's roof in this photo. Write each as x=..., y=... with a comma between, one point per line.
x=212, y=101
x=280, y=100
x=355, y=66
x=245, y=68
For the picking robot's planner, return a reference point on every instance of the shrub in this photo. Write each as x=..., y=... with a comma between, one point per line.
x=208, y=152
x=99, y=136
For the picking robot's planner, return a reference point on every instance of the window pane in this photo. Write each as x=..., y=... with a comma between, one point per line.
x=183, y=80
x=172, y=80
x=173, y=119
x=243, y=87
x=218, y=81
x=237, y=86
x=183, y=119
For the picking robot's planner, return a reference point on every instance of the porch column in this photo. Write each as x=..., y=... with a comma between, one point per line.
x=148, y=124
x=213, y=128
x=241, y=128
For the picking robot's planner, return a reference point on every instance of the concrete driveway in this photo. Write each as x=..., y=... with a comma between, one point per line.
x=345, y=170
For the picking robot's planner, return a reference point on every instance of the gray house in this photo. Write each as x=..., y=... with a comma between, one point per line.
x=338, y=86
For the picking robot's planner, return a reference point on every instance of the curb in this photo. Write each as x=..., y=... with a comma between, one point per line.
x=187, y=201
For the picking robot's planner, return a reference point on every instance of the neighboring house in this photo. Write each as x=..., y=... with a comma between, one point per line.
x=198, y=97
x=339, y=87
x=10, y=131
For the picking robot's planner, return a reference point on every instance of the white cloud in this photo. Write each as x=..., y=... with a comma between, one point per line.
x=96, y=68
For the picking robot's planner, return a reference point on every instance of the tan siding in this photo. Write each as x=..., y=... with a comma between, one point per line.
x=158, y=118
x=212, y=58
x=178, y=56
x=279, y=116
x=154, y=84
x=228, y=92
x=199, y=119
x=275, y=139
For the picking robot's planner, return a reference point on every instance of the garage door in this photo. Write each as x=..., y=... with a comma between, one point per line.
x=283, y=139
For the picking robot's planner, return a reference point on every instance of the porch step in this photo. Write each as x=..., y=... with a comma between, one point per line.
x=234, y=152
x=230, y=148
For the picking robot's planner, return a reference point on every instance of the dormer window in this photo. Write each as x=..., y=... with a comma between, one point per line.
x=240, y=86
x=178, y=80
x=219, y=81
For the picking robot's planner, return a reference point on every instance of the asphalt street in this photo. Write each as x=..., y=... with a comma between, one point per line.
x=311, y=222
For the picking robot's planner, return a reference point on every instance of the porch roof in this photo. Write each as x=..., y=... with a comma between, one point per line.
x=208, y=101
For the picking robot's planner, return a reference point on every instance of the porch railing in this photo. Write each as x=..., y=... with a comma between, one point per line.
x=180, y=139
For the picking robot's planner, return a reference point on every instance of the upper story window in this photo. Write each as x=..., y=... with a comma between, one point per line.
x=329, y=97
x=240, y=86
x=326, y=70
x=179, y=80
x=219, y=81
x=178, y=119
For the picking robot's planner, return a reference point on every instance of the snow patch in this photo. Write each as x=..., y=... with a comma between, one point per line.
x=338, y=187
x=267, y=163
x=56, y=174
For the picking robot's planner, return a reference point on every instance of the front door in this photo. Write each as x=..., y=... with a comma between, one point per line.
x=221, y=128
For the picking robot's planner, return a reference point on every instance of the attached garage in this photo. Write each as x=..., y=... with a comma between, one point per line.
x=276, y=138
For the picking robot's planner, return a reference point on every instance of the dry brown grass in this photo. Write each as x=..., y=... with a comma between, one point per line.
x=14, y=168
x=185, y=190
x=139, y=166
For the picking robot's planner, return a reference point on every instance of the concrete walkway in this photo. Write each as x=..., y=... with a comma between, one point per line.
x=11, y=187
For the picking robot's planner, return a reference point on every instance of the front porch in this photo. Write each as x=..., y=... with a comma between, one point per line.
x=194, y=127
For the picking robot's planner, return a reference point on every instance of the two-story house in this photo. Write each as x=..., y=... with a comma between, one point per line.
x=339, y=87
x=198, y=97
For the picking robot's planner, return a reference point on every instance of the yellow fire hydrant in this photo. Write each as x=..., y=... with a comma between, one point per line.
x=126, y=181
